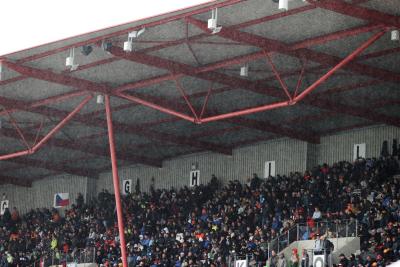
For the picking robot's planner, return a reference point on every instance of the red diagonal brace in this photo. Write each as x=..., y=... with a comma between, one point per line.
x=346, y=60
x=156, y=107
x=182, y=91
x=14, y=123
x=278, y=77
x=50, y=134
x=301, y=76
x=39, y=103
x=38, y=132
x=203, y=109
x=358, y=12
x=246, y=111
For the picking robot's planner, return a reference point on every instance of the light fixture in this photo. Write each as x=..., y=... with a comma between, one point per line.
x=128, y=45
x=283, y=5
x=244, y=71
x=86, y=50
x=100, y=99
x=395, y=35
x=70, y=61
x=136, y=34
x=213, y=22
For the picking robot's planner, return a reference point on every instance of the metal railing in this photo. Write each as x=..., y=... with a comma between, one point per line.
x=86, y=255
x=302, y=231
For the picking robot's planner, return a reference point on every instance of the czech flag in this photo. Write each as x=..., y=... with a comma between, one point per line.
x=61, y=200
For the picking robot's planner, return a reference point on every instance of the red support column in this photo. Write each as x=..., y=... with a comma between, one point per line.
x=116, y=182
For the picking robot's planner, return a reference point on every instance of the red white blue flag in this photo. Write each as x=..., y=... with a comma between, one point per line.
x=61, y=200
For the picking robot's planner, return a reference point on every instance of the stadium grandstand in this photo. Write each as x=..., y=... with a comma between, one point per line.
x=233, y=133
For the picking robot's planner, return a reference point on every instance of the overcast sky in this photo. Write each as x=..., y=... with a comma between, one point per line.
x=28, y=23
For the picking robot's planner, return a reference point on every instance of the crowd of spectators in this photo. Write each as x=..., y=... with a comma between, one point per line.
x=204, y=225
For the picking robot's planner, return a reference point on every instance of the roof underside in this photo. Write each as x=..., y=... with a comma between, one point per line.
x=177, y=56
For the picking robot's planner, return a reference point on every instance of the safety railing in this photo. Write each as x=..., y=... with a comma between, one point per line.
x=301, y=231
x=86, y=255
x=304, y=231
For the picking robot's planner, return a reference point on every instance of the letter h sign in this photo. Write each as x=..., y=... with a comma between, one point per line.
x=194, y=178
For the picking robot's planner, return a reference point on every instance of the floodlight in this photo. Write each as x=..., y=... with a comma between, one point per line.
x=70, y=61
x=128, y=45
x=74, y=67
x=100, y=99
x=395, y=35
x=283, y=5
x=86, y=50
x=136, y=34
x=213, y=22
x=244, y=71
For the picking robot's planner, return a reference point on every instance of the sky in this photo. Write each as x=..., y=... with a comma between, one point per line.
x=28, y=23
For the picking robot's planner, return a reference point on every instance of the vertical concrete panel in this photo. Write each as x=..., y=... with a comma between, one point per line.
x=41, y=194
x=290, y=155
x=19, y=197
x=312, y=156
x=45, y=189
x=339, y=147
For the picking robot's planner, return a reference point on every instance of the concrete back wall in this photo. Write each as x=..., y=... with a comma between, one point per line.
x=339, y=147
x=41, y=194
x=290, y=155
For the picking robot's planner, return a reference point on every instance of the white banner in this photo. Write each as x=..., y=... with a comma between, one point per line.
x=127, y=187
x=4, y=206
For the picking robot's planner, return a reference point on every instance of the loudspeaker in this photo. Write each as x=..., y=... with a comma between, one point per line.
x=319, y=260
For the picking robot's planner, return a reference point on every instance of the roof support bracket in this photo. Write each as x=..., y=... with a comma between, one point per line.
x=301, y=76
x=183, y=93
x=203, y=109
x=278, y=77
x=16, y=127
x=38, y=132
